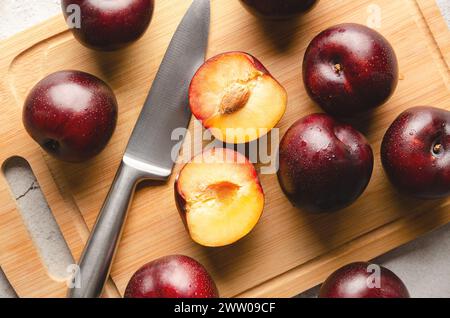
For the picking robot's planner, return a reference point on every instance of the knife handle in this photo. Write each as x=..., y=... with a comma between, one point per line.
x=96, y=259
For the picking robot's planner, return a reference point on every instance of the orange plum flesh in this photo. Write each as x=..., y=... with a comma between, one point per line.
x=237, y=98
x=219, y=197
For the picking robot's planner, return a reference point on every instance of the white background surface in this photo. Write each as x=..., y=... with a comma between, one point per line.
x=424, y=265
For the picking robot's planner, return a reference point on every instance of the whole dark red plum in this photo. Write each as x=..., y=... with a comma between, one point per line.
x=324, y=165
x=363, y=280
x=349, y=69
x=175, y=276
x=416, y=152
x=276, y=9
x=71, y=115
x=109, y=24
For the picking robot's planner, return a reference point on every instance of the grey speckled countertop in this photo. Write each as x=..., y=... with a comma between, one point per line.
x=423, y=264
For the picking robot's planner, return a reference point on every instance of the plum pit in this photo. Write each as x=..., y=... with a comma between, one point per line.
x=236, y=97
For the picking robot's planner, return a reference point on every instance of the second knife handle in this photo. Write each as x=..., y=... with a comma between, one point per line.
x=96, y=260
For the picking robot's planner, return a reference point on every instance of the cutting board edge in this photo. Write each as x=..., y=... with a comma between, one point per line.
x=16, y=46
x=364, y=248
x=437, y=27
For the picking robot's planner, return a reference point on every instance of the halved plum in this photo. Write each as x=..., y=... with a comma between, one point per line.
x=219, y=197
x=236, y=97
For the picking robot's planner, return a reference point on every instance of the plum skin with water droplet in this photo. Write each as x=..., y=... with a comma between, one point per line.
x=71, y=114
x=324, y=165
x=408, y=152
x=350, y=69
x=174, y=276
x=109, y=25
x=358, y=280
x=276, y=9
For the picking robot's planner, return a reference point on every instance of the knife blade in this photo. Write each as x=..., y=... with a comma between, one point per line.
x=166, y=107
x=148, y=155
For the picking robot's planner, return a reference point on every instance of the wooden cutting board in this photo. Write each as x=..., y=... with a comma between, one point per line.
x=290, y=250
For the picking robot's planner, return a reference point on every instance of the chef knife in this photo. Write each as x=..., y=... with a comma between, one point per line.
x=148, y=155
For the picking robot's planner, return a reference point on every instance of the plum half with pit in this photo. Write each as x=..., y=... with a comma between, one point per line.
x=236, y=97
